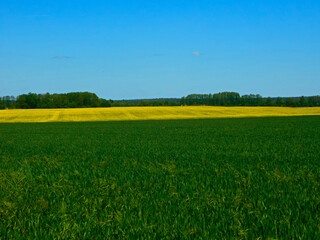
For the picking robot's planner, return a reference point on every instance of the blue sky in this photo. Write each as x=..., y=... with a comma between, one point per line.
x=160, y=48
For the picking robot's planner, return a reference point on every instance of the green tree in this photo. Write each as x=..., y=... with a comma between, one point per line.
x=280, y=102
x=270, y=102
x=303, y=102
x=1, y=103
x=183, y=101
x=22, y=101
x=105, y=103
x=144, y=103
x=290, y=102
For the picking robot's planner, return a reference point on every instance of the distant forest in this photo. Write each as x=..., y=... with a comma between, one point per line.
x=66, y=100
x=87, y=99
x=234, y=99
x=73, y=100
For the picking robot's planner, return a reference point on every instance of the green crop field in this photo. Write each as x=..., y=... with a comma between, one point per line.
x=243, y=178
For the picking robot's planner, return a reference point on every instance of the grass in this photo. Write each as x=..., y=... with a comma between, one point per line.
x=244, y=178
x=147, y=113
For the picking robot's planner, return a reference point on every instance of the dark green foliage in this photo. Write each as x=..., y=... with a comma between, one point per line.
x=151, y=102
x=252, y=100
x=206, y=179
x=234, y=99
x=290, y=102
x=1, y=103
x=280, y=102
x=105, y=103
x=87, y=99
x=122, y=104
x=65, y=100
x=74, y=100
x=218, y=99
x=7, y=102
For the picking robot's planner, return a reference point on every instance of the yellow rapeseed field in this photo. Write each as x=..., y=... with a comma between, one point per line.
x=146, y=113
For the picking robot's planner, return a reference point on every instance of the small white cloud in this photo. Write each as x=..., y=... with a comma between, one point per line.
x=196, y=53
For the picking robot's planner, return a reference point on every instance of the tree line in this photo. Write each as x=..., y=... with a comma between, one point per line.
x=72, y=100
x=234, y=99
x=64, y=100
x=145, y=102
x=87, y=99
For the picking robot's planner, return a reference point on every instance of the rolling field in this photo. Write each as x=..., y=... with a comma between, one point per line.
x=239, y=178
x=147, y=113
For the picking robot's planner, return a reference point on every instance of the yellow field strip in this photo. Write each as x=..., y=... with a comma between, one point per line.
x=146, y=113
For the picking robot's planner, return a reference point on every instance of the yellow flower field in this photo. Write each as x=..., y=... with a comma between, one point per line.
x=146, y=113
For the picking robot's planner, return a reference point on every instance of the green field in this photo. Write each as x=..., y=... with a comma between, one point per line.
x=211, y=179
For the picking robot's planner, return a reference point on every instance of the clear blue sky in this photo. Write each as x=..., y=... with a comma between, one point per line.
x=160, y=48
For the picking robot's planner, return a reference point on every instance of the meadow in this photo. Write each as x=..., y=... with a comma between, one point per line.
x=235, y=178
x=147, y=113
